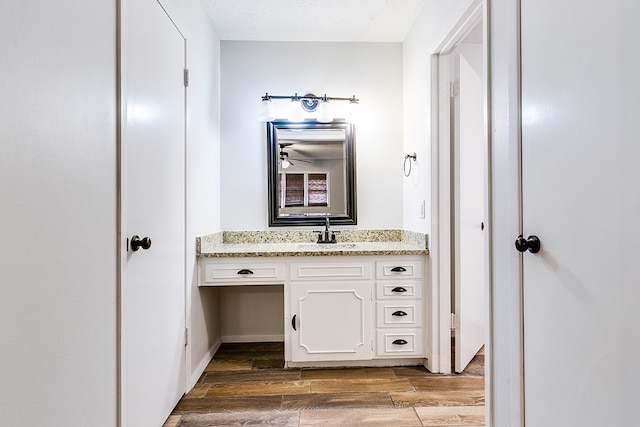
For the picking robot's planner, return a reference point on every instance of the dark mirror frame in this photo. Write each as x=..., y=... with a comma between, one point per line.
x=273, y=155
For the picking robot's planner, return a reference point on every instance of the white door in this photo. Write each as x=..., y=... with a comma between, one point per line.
x=153, y=287
x=469, y=203
x=331, y=320
x=581, y=197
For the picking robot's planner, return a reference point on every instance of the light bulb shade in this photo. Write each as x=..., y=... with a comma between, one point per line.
x=285, y=164
x=266, y=113
x=296, y=113
x=324, y=113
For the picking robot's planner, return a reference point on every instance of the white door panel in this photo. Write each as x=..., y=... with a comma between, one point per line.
x=153, y=293
x=580, y=151
x=469, y=206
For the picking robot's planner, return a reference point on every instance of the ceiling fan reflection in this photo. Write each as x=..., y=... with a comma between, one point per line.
x=285, y=160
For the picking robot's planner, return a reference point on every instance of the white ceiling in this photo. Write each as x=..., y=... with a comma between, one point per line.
x=313, y=20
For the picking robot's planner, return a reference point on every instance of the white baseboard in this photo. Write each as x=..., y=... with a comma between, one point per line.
x=195, y=376
x=253, y=338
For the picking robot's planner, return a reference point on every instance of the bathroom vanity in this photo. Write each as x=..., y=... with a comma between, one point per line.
x=353, y=303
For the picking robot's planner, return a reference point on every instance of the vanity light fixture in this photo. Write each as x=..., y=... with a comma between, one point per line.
x=308, y=102
x=295, y=113
x=266, y=113
x=324, y=113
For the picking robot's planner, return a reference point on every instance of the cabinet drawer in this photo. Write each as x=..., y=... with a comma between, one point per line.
x=399, y=289
x=405, y=314
x=244, y=273
x=331, y=270
x=400, y=268
x=399, y=343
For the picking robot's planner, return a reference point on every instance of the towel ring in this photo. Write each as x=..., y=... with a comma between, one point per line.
x=407, y=157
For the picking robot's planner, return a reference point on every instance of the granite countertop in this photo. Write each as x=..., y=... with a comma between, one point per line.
x=301, y=243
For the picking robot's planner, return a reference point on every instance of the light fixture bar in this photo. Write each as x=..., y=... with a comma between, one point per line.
x=296, y=97
x=309, y=103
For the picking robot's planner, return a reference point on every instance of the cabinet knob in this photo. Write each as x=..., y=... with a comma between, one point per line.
x=245, y=271
x=293, y=322
x=398, y=269
x=399, y=289
x=399, y=313
x=400, y=342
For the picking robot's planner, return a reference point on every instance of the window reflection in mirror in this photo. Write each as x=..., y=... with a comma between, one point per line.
x=311, y=172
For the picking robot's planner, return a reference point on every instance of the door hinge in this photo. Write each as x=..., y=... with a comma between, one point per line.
x=186, y=77
x=186, y=337
x=453, y=89
x=453, y=321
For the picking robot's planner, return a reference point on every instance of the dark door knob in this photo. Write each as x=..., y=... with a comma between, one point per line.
x=137, y=243
x=531, y=244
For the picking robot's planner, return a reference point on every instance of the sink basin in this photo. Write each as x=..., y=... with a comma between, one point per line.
x=328, y=246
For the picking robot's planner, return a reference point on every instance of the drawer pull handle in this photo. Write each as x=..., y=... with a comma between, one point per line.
x=399, y=313
x=398, y=289
x=245, y=271
x=398, y=269
x=293, y=322
x=400, y=342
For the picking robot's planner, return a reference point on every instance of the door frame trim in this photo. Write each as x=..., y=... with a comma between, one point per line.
x=441, y=188
x=507, y=334
x=441, y=179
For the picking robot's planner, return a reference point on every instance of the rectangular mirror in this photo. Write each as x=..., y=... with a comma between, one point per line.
x=311, y=172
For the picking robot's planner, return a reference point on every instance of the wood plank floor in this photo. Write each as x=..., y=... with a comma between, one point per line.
x=246, y=385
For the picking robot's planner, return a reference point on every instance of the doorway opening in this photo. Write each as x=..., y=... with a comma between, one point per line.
x=460, y=181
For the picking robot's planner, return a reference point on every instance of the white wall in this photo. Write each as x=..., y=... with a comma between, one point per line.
x=430, y=28
x=58, y=216
x=203, y=173
x=371, y=71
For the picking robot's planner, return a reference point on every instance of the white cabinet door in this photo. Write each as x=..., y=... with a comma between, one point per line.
x=331, y=320
x=580, y=194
